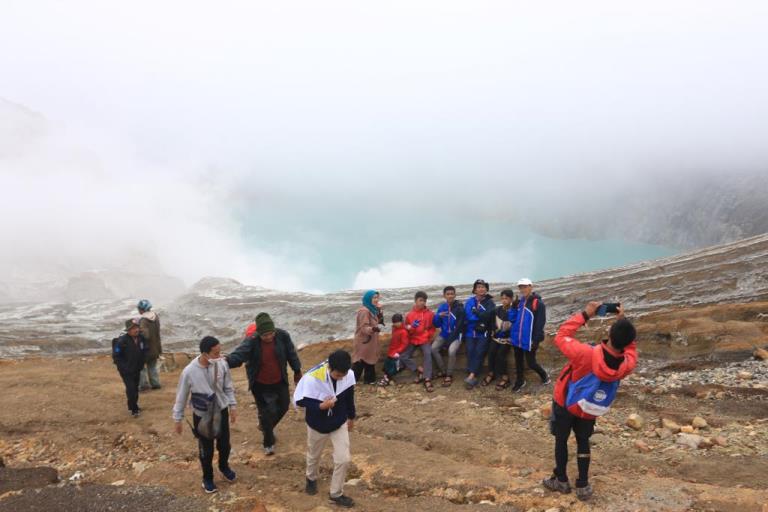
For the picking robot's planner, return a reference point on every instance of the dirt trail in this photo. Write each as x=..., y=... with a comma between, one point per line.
x=450, y=450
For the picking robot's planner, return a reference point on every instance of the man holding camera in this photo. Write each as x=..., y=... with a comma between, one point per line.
x=586, y=388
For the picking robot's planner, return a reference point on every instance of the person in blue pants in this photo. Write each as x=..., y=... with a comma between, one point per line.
x=479, y=312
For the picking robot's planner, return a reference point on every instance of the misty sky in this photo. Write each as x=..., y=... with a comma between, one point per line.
x=171, y=133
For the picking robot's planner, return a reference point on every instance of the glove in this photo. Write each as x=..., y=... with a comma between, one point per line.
x=376, y=329
x=297, y=376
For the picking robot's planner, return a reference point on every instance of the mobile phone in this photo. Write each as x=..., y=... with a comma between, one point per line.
x=608, y=307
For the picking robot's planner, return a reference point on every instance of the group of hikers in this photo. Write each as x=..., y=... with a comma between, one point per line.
x=584, y=390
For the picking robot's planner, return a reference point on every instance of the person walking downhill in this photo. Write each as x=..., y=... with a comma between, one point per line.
x=499, y=346
x=479, y=311
x=585, y=390
x=128, y=353
x=366, y=341
x=449, y=318
x=149, y=324
x=208, y=379
x=528, y=332
x=327, y=394
x=420, y=326
x=266, y=356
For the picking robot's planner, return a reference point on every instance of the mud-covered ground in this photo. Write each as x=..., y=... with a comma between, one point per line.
x=449, y=450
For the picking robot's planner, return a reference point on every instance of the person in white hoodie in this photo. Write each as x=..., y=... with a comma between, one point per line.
x=149, y=323
x=209, y=381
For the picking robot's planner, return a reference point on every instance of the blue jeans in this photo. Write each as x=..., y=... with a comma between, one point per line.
x=476, y=350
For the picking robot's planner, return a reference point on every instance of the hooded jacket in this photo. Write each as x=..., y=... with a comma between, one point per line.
x=399, y=341
x=149, y=324
x=421, y=334
x=607, y=364
x=505, y=319
x=528, y=328
x=129, y=354
x=452, y=325
x=478, y=317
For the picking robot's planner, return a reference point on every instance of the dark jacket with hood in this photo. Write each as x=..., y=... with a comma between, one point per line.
x=249, y=352
x=130, y=355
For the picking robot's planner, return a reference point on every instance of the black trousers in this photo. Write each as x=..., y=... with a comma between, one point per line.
x=521, y=358
x=561, y=423
x=497, y=358
x=131, y=381
x=272, y=401
x=365, y=370
x=205, y=446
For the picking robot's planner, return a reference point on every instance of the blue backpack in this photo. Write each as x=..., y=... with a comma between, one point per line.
x=590, y=395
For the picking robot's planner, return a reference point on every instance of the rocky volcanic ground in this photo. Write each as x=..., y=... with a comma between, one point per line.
x=686, y=433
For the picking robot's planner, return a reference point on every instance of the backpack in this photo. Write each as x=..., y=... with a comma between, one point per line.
x=115, y=349
x=590, y=395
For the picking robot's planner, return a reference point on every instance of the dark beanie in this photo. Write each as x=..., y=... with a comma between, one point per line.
x=264, y=323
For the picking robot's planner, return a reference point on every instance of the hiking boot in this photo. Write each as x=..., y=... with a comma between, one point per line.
x=311, y=487
x=228, y=474
x=343, y=501
x=518, y=386
x=209, y=486
x=269, y=450
x=584, y=493
x=553, y=484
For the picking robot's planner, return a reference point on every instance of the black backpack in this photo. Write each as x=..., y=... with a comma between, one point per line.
x=114, y=351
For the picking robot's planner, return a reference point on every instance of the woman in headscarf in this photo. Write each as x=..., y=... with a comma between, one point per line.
x=366, y=343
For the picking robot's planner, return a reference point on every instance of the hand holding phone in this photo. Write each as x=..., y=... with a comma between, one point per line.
x=608, y=307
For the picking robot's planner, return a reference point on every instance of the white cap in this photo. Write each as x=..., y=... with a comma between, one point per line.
x=525, y=282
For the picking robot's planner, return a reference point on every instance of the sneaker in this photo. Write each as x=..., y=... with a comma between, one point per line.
x=209, y=486
x=229, y=474
x=470, y=382
x=157, y=387
x=269, y=450
x=584, y=493
x=311, y=487
x=547, y=381
x=518, y=386
x=136, y=413
x=343, y=501
x=553, y=484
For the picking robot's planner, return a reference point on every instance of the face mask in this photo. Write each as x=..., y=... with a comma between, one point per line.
x=212, y=360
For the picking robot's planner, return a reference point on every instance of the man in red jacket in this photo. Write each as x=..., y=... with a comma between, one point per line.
x=587, y=384
x=421, y=330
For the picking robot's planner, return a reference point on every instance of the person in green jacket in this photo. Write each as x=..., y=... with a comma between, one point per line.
x=149, y=324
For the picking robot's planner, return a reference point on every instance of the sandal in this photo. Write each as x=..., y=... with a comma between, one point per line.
x=419, y=375
x=503, y=384
x=428, y=386
x=385, y=381
x=447, y=381
x=488, y=379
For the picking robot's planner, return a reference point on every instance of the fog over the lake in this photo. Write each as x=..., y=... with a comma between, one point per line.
x=233, y=138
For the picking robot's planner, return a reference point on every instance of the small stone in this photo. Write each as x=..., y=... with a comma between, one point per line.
x=687, y=429
x=664, y=433
x=760, y=354
x=118, y=483
x=670, y=425
x=699, y=422
x=528, y=414
x=720, y=395
x=525, y=472
x=353, y=482
x=720, y=441
x=642, y=447
x=553, y=509
x=690, y=440
x=453, y=495
x=546, y=410
x=659, y=391
x=635, y=422
x=743, y=375
x=139, y=467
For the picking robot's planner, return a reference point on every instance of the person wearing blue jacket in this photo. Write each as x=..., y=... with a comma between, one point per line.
x=479, y=311
x=528, y=332
x=449, y=318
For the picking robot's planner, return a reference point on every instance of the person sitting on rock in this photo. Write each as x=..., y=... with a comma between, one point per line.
x=585, y=390
x=419, y=322
x=207, y=378
x=500, y=346
x=327, y=394
x=397, y=345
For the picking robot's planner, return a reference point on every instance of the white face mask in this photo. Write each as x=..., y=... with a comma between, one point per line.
x=212, y=360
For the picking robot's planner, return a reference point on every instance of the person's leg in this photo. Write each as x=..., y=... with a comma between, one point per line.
x=493, y=349
x=315, y=444
x=482, y=347
x=144, y=378
x=341, y=460
x=357, y=369
x=583, y=430
x=502, y=369
x=129, y=395
x=265, y=403
x=135, y=377
x=437, y=345
x=472, y=345
x=426, y=350
x=205, y=452
x=453, y=349
x=282, y=404
x=519, y=366
x=563, y=422
x=222, y=443
x=154, y=375
x=530, y=359
x=406, y=358
x=369, y=374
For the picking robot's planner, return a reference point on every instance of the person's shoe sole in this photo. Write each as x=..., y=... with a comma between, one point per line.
x=207, y=491
x=311, y=489
x=548, y=484
x=515, y=389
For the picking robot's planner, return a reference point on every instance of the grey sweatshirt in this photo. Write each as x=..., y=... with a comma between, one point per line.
x=197, y=378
